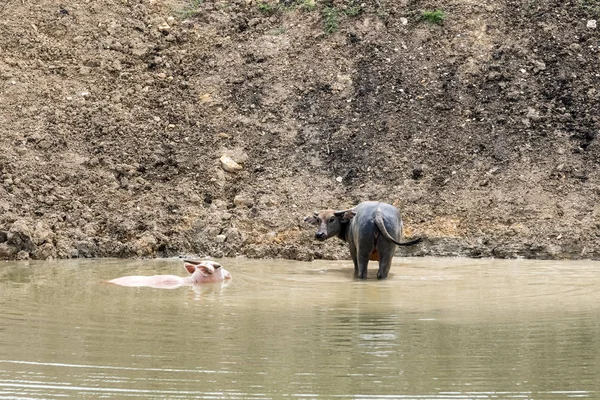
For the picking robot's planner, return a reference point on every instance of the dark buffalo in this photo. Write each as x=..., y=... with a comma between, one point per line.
x=372, y=230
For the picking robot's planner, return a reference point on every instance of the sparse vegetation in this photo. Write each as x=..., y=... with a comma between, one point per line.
x=354, y=11
x=268, y=8
x=433, y=16
x=331, y=19
x=330, y=13
x=308, y=5
x=592, y=7
x=191, y=9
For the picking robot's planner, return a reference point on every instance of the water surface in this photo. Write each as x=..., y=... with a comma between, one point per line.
x=437, y=329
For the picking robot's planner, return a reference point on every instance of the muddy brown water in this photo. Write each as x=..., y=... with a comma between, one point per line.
x=437, y=329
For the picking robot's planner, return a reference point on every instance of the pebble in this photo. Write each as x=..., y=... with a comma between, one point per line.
x=591, y=24
x=220, y=238
x=243, y=201
x=229, y=165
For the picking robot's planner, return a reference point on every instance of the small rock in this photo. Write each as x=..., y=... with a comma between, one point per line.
x=417, y=172
x=45, y=252
x=533, y=114
x=243, y=201
x=139, y=50
x=538, y=66
x=403, y=21
x=591, y=24
x=205, y=98
x=339, y=179
x=233, y=235
x=146, y=245
x=494, y=76
x=220, y=238
x=164, y=27
x=229, y=165
x=226, y=216
x=42, y=234
x=214, y=231
x=7, y=251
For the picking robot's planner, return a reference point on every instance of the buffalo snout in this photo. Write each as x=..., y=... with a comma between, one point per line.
x=321, y=235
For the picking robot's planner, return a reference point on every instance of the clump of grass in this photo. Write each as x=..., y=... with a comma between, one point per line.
x=433, y=16
x=191, y=9
x=268, y=8
x=331, y=19
x=354, y=11
x=591, y=6
x=308, y=5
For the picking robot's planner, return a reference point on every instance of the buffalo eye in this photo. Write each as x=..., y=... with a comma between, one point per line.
x=331, y=219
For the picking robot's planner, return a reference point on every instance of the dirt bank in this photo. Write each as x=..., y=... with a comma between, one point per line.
x=114, y=115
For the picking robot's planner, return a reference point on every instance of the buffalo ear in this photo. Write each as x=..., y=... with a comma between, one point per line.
x=206, y=269
x=191, y=268
x=345, y=215
x=312, y=219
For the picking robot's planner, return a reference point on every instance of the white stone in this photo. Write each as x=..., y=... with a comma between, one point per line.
x=229, y=165
x=220, y=238
x=591, y=24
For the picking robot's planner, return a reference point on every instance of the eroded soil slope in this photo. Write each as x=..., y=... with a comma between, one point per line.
x=114, y=115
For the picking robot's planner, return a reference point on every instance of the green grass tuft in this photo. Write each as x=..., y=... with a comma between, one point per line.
x=268, y=8
x=190, y=10
x=331, y=19
x=435, y=16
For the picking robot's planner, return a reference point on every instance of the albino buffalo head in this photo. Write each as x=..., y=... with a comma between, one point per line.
x=206, y=271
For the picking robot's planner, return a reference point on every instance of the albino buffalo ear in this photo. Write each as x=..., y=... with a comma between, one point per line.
x=191, y=268
x=205, y=269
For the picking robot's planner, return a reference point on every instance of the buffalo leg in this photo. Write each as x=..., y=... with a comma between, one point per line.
x=363, y=261
x=354, y=259
x=385, y=260
x=384, y=268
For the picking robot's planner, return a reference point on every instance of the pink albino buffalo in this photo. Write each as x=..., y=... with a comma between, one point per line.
x=201, y=272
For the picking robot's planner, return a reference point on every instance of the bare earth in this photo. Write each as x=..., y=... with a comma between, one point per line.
x=114, y=115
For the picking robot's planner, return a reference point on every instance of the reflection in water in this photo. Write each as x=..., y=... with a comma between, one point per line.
x=437, y=329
